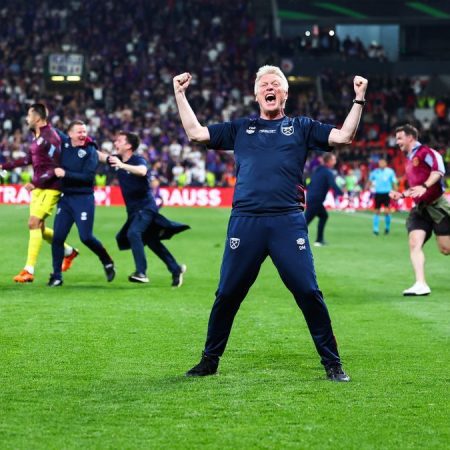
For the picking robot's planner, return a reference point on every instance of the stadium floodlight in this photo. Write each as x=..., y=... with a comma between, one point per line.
x=73, y=78
x=57, y=78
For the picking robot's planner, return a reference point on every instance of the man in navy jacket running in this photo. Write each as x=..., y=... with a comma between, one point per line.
x=144, y=225
x=78, y=162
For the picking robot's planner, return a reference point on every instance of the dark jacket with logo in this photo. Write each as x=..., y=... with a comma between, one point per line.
x=80, y=164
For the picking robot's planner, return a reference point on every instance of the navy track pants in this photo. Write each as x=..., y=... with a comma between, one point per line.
x=314, y=209
x=285, y=239
x=78, y=209
x=139, y=222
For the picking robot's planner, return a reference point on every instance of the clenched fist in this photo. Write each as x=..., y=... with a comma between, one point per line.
x=181, y=82
x=360, y=86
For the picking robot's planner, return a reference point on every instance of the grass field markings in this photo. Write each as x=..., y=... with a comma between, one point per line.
x=93, y=372
x=366, y=215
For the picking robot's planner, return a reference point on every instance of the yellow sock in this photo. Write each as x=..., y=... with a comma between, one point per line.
x=48, y=237
x=47, y=234
x=34, y=246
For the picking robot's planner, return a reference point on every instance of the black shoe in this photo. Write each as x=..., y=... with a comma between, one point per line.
x=137, y=277
x=336, y=373
x=110, y=271
x=207, y=366
x=376, y=233
x=55, y=280
x=177, y=279
x=386, y=231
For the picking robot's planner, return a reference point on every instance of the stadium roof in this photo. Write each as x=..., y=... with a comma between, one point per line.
x=369, y=10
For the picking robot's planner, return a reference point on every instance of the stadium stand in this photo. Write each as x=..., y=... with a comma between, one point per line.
x=133, y=52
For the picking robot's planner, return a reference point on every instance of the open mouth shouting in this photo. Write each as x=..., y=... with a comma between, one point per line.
x=270, y=99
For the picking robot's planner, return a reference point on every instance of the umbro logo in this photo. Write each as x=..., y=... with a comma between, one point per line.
x=301, y=243
x=234, y=243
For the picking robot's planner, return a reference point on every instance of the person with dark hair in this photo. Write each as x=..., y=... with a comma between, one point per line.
x=424, y=171
x=43, y=155
x=144, y=225
x=382, y=181
x=322, y=180
x=78, y=163
x=267, y=219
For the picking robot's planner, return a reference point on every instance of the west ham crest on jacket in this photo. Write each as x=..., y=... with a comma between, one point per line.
x=234, y=243
x=287, y=131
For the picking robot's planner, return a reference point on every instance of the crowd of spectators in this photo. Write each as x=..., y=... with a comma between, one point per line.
x=132, y=51
x=325, y=42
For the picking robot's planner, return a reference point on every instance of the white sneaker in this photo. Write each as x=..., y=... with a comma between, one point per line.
x=177, y=279
x=417, y=289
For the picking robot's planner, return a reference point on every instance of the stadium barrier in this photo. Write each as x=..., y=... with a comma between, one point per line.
x=15, y=194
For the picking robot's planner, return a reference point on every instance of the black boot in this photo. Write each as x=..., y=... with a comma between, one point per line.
x=207, y=366
x=336, y=373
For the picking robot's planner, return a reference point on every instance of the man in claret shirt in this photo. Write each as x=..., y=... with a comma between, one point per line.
x=44, y=156
x=431, y=213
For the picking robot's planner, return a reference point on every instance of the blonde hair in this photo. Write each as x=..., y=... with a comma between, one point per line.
x=264, y=70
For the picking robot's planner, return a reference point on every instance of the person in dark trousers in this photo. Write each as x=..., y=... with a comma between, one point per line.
x=382, y=180
x=78, y=162
x=322, y=180
x=144, y=225
x=266, y=219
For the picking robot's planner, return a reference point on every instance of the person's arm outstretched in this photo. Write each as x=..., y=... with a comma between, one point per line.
x=191, y=125
x=346, y=134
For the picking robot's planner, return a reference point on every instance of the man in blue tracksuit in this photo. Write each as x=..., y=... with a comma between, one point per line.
x=322, y=180
x=266, y=220
x=144, y=225
x=78, y=163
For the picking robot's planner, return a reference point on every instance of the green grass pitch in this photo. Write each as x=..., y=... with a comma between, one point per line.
x=101, y=365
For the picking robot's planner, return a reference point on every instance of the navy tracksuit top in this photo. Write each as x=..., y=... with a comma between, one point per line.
x=136, y=190
x=80, y=164
x=270, y=157
x=322, y=180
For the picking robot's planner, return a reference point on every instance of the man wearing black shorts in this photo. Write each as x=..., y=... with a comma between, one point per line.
x=431, y=213
x=383, y=180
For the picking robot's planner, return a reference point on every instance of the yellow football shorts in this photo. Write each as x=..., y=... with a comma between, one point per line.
x=43, y=202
